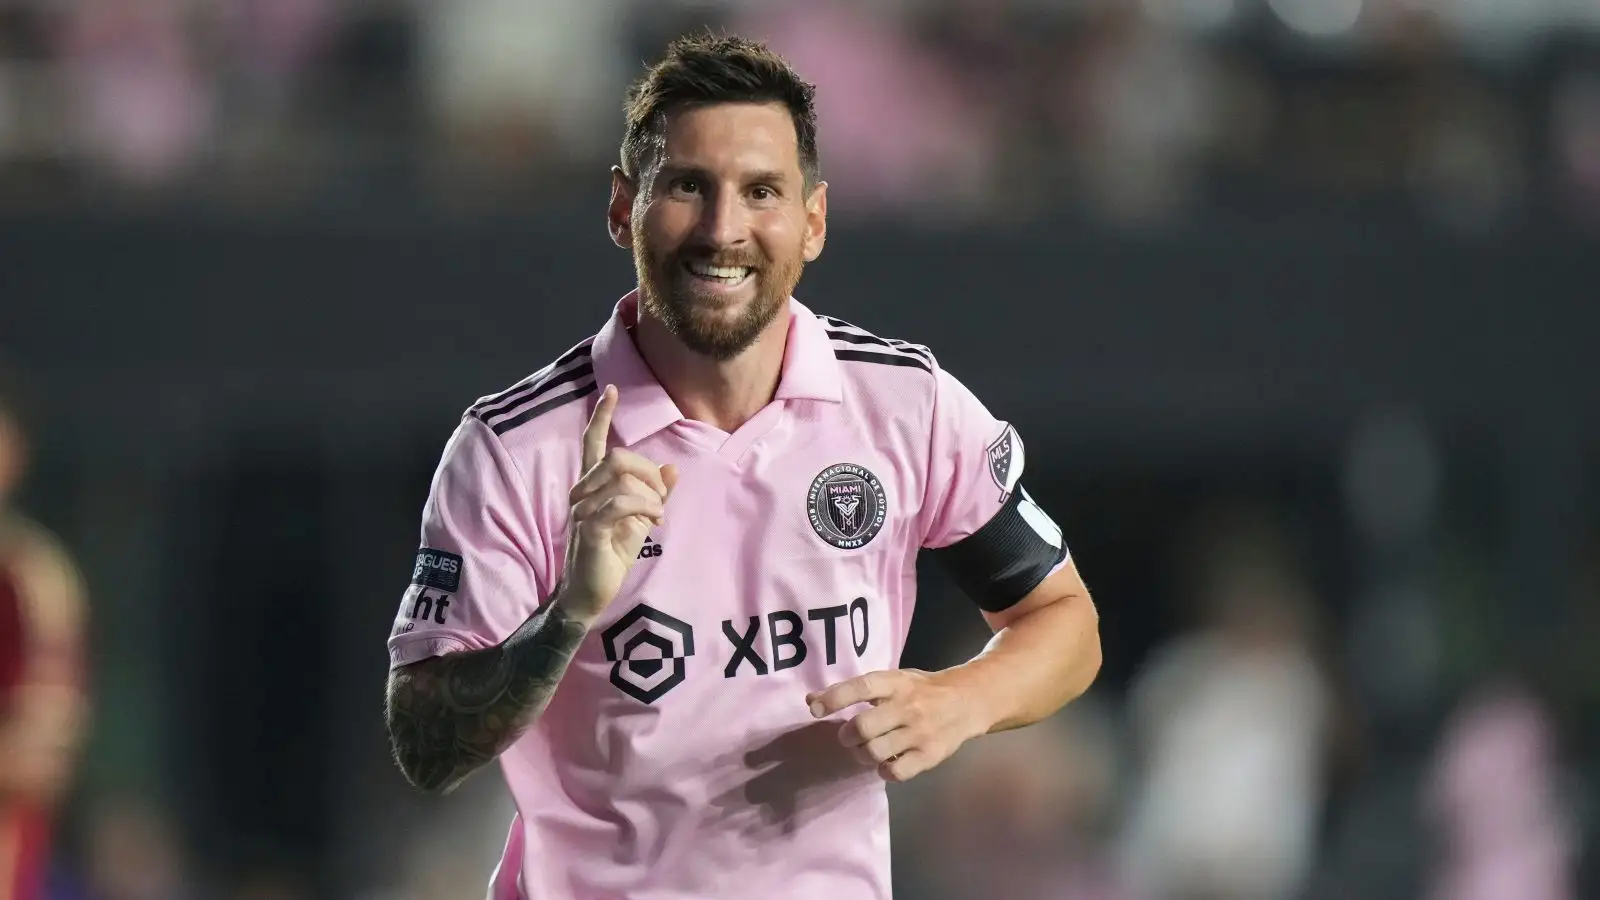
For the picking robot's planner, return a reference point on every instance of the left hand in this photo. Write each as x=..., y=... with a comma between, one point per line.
x=917, y=719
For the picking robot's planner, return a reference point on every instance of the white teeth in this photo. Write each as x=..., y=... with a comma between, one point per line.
x=725, y=273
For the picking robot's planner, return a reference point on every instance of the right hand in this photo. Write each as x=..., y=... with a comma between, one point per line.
x=619, y=498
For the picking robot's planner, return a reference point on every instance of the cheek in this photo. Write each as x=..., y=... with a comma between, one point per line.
x=663, y=227
x=782, y=241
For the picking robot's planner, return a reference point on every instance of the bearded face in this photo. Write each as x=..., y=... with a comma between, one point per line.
x=716, y=300
x=721, y=225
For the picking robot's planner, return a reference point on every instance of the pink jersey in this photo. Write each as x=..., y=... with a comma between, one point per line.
x=678, y=759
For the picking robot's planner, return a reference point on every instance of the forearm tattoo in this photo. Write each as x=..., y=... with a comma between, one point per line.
x=452, y=714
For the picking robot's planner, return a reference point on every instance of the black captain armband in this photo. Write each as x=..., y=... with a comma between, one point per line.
x=998, y=564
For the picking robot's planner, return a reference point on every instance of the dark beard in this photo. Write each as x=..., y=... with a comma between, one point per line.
x=662, y=294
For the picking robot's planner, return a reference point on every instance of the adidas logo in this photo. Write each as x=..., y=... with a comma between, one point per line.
x=651, y=549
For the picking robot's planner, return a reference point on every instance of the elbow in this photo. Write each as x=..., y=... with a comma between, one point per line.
x=1091, y=663
x=1088, y=657
x=415, y=774
x=422, y=738
x=421, y=754
x=431, y=787
x=423, y=774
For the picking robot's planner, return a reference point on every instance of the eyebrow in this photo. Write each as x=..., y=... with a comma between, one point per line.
x=773, y=177
x=669, y=170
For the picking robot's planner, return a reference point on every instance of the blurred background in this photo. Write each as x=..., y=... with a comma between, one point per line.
x=1291, y=299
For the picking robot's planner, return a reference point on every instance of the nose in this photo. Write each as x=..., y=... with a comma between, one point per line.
x=723, y=223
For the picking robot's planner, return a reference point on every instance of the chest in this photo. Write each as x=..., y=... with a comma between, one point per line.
x=793, y=560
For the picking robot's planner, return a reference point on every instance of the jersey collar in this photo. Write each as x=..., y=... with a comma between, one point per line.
x=810, y=370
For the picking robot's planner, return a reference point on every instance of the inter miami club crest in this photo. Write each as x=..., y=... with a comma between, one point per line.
x=846, y=506
x=1005, y=461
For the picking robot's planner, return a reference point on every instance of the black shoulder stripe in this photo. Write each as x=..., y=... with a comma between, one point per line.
x=882, y=359
x=525, y=384
x=836, y=322
x=570, y=356
x=840, y=330
x=853, y=337
x=909, y=347
x=543, y=389
x=520, y=391
x=537, y=410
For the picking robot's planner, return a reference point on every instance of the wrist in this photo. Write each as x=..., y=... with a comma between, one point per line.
x=979, y=711
x=576, y=606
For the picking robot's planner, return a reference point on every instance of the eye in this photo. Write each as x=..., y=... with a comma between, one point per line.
x=686, y=186
x=762, y=193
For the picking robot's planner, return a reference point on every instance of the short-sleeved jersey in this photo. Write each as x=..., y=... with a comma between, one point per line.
x=678, y=758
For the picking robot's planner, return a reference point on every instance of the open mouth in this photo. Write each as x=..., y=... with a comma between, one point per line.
x=722, y=276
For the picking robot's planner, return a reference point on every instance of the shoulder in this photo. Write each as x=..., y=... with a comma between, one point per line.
x=543, y=406
x=896, y=377
x=867, y=355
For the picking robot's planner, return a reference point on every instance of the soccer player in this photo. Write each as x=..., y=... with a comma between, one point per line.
x=43, y=704
x=665, y=581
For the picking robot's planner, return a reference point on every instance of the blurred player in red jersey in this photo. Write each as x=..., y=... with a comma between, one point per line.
x=42, y=700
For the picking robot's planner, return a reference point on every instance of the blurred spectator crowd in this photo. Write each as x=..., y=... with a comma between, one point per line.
x=1124, y=111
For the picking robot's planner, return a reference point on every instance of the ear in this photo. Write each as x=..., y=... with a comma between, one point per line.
x=619, y=215
x=816, y=221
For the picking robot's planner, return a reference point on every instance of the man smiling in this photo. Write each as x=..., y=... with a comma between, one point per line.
x=666, y=580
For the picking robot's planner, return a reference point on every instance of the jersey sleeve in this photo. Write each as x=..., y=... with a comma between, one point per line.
x=479, y=572
x=980, y=523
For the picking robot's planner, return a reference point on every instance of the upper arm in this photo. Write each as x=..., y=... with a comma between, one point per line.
x=978, y=519
x=1062, y=585
x=480, y=571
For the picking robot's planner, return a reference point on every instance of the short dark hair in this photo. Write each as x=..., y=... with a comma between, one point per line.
x=706, y=69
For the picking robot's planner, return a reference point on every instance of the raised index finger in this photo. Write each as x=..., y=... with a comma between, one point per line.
x=598, y=429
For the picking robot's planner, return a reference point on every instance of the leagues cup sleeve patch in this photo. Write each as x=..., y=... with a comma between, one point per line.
x=437, y=569
x=1005, y=461
x=846, y=506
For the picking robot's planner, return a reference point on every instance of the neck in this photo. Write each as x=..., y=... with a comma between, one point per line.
x=721, y=393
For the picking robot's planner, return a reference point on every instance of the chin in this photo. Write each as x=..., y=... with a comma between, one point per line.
x=721, y=312
x=723, y=332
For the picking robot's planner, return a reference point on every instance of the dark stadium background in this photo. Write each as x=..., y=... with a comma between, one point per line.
x=1350, y=328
